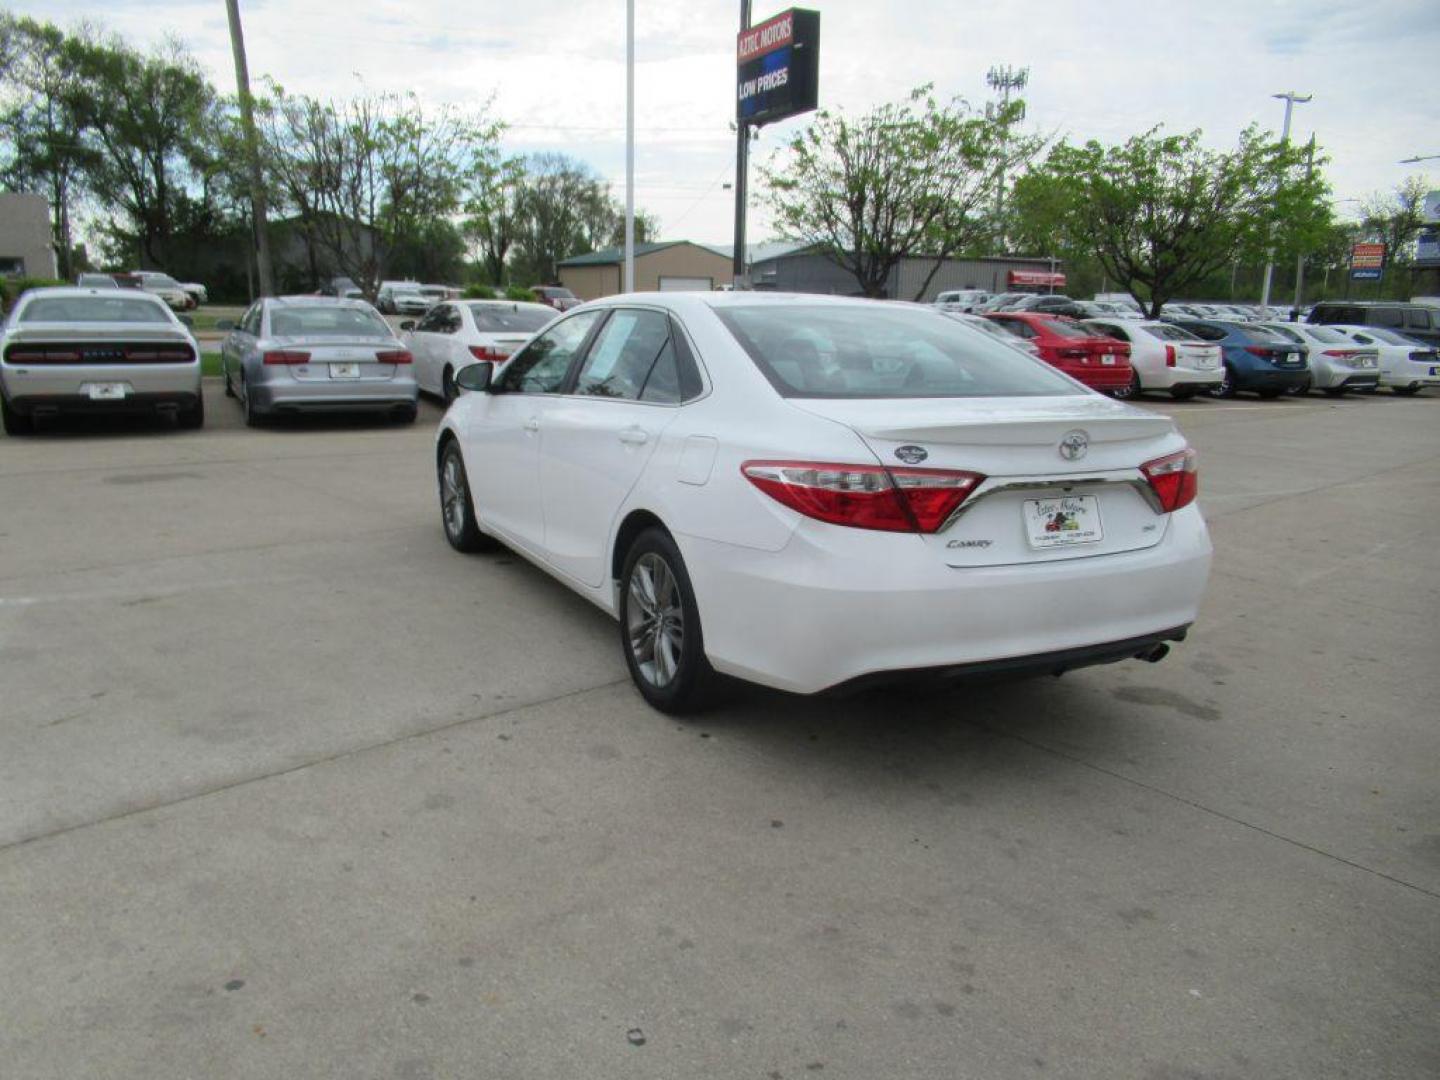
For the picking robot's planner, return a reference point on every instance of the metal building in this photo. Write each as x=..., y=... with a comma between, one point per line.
x=805, y=269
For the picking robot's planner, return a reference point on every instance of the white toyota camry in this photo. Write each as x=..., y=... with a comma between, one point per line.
x=811, y=492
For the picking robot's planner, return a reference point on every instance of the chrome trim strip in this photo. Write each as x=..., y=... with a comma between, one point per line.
x=986, y=489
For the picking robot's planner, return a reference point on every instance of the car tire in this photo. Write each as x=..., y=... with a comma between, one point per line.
x=457, y=508
x=405, y=414
x=1226, y=389
x=193, y=418
x=447, y=385
x=14, y=422
x=254, y=418
x=229, y=386
x=660, y=632
x=1405, y=391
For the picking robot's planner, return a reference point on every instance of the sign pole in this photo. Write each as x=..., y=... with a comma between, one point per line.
x=742, y=170
x=630, y=146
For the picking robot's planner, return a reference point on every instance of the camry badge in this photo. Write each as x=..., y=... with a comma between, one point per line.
x=911, y=455
x=1074, y=444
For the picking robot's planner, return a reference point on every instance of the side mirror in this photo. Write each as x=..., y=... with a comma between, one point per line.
x=224, y=324
x=475, y=377
x=408, y=324
x=187, y=321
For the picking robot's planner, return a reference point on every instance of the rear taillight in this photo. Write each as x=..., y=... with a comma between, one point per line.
x=1073, y=354
x=864, y=496
x=1169, y=355
x=1174, y=479
x=1260, y=350
x=394, y=356
x=285, y=356
x=484, y=352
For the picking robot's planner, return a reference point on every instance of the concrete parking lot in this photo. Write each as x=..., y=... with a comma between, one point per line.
x=290, y=789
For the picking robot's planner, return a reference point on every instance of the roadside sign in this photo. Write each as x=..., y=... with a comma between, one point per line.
x=1367, y=261
x=1430, y=208
x=778, y=67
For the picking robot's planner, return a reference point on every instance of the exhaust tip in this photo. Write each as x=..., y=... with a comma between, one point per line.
x=1154, y=655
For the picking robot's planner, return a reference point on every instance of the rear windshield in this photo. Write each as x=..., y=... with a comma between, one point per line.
x=865, y=351
x=1260, y=333
x=93, y=309
x=1388, y=336
x=1069, y=330
x=1328, y=336
x=1166, y=332
x=321, y=321
x=499, y=318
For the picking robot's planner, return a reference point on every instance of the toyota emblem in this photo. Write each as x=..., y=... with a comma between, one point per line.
x=1074, y=444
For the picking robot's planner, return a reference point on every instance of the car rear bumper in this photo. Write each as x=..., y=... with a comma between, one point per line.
x=70, y=404
x=1179, y=378
x=1271, y=378
x=1410, y=373
x=837, y=605
x=65, y=388
x=333, y=395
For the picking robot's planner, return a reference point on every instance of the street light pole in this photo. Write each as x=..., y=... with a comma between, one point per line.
x=742, y=174
x=1300, y=257
x=261, y=236
x=629, y=146
x=1291, y=99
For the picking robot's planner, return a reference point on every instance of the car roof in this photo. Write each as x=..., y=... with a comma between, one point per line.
x=88, y=290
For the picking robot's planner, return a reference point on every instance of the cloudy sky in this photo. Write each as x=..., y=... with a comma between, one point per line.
x=1098, y=68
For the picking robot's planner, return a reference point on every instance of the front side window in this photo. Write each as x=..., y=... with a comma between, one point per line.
x=874, y=351
x=541, y=367
x=621, y=360
x=93, y=309
x=1417, y=319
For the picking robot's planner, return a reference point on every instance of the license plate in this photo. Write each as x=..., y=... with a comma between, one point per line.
x=344, y=371
x=1063, y=521
x=1108, y=358
x=107, y=391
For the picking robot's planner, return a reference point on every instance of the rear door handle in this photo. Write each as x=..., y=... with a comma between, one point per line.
x=634, y=436
x=533, y=424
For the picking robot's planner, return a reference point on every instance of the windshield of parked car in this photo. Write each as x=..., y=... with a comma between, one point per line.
x=93, y=309
x=511, y=318
x=865, y=351
x=324, y=321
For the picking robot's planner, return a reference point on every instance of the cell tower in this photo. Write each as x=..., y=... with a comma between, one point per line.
x=1004, y=79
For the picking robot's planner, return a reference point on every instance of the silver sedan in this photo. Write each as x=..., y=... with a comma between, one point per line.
x=316, y=354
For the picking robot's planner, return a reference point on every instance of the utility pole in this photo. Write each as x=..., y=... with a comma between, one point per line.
x=1004, y=79
x=1291, y=99
x=261, y=239
x=629, y=145
x=1300, y=258
x=742, y=170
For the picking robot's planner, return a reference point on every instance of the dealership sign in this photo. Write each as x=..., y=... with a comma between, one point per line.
x=778, y=67
x=1367, y=261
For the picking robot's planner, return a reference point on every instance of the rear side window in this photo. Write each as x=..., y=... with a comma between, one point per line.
x=1417, y=318
x=1386, y=316
x=875, y=351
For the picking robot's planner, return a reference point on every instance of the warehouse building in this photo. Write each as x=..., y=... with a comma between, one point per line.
x=677, y=265
x=26, y=247
x=802, y=268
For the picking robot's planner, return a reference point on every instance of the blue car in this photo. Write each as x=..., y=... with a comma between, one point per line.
x=1255, y=359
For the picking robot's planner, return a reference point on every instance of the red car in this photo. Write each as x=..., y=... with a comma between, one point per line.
x=1101, y=363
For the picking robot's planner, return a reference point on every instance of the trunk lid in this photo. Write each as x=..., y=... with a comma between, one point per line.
x=1015, y=443
x=1199, y=355
x=97, y=343
x=338, y=359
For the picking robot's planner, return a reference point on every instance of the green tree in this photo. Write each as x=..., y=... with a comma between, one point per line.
x=493, y=213
x=1396, y=218
x=371, y=174
x=564, y=208
x=907, y=179
x=147, y=116
x=1162, y=213
x=40, y=124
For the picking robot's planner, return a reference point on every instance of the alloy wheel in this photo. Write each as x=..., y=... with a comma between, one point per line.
x=452, y=496
x=655, y=620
